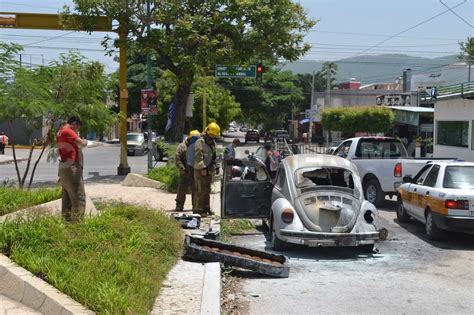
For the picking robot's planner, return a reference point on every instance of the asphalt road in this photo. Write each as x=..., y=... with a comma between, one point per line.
x=99, y=163
x=409, y=275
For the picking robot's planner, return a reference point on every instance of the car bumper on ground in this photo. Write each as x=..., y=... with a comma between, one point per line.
x=454, y=223
x=319, y=239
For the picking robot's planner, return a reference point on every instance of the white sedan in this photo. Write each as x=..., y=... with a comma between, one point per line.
x=441, y=196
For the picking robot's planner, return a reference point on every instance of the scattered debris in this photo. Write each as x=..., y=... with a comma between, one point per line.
x=383, y=234
x=254, y=295
x=215, y=251
x=189, y=221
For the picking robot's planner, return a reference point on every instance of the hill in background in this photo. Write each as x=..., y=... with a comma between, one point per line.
x=387, y=67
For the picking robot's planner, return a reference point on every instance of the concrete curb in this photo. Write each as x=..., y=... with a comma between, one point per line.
x=5, y=162
x=136, y=180
x=211, y=290
x=22, y=286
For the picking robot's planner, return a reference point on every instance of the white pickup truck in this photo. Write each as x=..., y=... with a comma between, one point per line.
x=382, y=162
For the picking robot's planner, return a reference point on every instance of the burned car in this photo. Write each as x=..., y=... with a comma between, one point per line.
x=315, y=200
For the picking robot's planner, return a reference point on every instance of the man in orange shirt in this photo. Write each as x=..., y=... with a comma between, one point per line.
x=70, y=170
x=3, y=142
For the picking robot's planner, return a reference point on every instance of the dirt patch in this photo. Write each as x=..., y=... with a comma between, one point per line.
x=232, y=299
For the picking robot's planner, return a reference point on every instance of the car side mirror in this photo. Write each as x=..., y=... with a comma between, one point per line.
x=247, y=152
x=407, y=179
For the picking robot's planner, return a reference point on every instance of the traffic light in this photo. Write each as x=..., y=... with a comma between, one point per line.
x=259, y=72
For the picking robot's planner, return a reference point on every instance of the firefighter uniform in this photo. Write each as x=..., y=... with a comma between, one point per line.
x=205, y=167
x=186, y=179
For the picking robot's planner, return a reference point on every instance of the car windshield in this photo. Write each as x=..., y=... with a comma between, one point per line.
x=459, y=177
x=135, y=138
x=314, y=177
x=281, y=133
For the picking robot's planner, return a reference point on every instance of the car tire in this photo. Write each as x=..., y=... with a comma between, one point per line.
x=432, y=231
x=276, y=243
x=158, y=155
x=373, y=192
x=367, y=248
x=402, y=215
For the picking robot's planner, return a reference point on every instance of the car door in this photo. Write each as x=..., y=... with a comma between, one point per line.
x=427, y=191
x=249, y=197
x=414, y=200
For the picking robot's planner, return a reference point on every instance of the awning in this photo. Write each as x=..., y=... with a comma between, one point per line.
x=304, y=121
x=409, y=115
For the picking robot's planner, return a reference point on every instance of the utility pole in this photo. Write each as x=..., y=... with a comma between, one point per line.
x=310, y=134
x=327, y=98
x=123, y=168
x=204, y=103
x=148, y=85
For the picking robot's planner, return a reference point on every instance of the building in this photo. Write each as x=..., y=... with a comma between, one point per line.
x=454, y=127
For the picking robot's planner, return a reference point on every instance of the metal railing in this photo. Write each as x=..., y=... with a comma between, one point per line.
x=463, y=89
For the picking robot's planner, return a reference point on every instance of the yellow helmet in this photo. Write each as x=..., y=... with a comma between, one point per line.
x=193, y=133
x=213, y=130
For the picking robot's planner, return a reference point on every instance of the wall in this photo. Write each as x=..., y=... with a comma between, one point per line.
x=455, y=109
x=19, y=133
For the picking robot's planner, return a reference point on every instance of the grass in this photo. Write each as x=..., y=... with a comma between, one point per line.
x=13, y=199
x=168, y=175
x=114, y=263
x=235, y=226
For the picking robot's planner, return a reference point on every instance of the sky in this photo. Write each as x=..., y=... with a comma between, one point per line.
x=345, y=28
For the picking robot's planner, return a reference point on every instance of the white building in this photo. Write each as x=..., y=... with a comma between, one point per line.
x=454, y=128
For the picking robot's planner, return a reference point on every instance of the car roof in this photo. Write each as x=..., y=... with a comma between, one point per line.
x=452, y=163
x=294, y=162
x=134, y=133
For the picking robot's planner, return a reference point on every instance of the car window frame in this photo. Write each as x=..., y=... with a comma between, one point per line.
x=435, y=168
x=280, y=174
x=341, y=146
x=424, y=169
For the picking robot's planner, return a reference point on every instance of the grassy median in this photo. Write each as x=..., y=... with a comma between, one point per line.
x=114, y=263
x=13, y=199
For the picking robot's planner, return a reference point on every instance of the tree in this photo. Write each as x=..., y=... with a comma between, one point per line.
x=467, y=54
x=269, y=103
x=44, y=97
x=350, y=120
x=191, y=36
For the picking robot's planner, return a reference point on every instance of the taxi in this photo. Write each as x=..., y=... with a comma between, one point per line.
x=441, y=196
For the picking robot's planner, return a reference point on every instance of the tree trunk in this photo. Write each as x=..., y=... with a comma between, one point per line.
x=36, y=164
x=14, y=153
x=177, y=131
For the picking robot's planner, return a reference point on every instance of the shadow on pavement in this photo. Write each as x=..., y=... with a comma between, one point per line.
x=451, y=240
x=105, y=179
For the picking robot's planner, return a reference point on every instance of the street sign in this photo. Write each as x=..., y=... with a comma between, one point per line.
x=236, y=71
x=313, y=113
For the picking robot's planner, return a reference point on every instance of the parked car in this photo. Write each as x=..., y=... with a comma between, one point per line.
x=315, y=200
x=382, y=162
x=137, y=143
x=281, y=135
x=441, y=196
x=243, y=129
x=232, y=130
x=252, y=135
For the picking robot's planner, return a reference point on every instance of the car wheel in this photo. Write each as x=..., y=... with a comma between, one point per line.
x=402, y=215
x=432, y=231
x=367, y=248
x=158, y=155
x=276, y=243
x=373, y=192
x=245, y=141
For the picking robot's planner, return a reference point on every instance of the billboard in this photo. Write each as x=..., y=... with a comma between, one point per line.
x=148, y=101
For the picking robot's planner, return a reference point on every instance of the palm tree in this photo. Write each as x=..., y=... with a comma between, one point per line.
x=467, y=54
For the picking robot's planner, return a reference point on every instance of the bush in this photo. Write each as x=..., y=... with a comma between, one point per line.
x=350, y=120
x=114, y=263
x=168, y=175
x=13, y=199
x=169, y=150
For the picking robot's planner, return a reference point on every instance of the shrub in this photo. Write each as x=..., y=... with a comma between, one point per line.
x=350, y=120
x=114, y=263
x=168, y=175
x=13, y=199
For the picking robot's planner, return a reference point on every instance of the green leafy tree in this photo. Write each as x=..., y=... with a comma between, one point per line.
x=191, y=36
x=467, y=54
x=44, y=97
x=350, y=120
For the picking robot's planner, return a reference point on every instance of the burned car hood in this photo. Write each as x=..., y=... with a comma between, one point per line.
x=328, y=210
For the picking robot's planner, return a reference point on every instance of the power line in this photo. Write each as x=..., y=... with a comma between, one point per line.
x=29, y=5
x=380, y=35
x=389, y=46
x=460, y=17
x=44, y=40
x=410, y=28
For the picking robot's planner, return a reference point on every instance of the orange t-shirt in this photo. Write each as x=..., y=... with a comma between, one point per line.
x=68, y=149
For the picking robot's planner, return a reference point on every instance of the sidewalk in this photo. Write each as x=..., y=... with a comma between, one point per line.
x=11, y=307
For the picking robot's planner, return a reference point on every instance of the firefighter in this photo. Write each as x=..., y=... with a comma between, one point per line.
x=204, y=168
x=185, y=173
